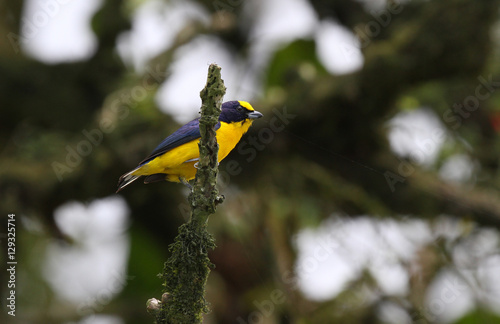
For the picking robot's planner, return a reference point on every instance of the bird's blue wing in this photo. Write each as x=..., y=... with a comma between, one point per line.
x=183, y=135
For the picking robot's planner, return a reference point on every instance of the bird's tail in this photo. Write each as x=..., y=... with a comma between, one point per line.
x=127, y=179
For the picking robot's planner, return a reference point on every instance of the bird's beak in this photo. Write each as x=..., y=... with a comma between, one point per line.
x=254, y=115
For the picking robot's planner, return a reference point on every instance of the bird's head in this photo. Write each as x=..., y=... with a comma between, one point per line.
x=238, y=111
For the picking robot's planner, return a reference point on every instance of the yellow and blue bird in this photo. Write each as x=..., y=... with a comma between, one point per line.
x=176, y=157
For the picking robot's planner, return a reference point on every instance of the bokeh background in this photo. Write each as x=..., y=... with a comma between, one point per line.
x=367, y=194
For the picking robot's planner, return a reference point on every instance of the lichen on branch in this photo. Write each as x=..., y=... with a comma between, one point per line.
x=186, y=272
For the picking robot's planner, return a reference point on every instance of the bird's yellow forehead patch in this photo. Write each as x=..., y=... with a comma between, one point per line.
x=246, y=105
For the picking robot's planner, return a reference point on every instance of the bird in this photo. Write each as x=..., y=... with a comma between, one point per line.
x=175, y=158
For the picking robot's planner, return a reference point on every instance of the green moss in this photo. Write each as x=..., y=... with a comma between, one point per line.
x=186, y=272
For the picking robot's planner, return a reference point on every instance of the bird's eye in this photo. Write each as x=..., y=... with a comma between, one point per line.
x=240, y=109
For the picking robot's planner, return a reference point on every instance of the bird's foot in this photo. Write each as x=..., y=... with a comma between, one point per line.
x=186, y=183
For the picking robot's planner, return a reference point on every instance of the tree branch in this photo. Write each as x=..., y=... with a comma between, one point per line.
x=186, y=272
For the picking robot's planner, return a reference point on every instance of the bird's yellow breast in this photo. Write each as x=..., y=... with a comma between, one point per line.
x=173, y=163
x=229, y=134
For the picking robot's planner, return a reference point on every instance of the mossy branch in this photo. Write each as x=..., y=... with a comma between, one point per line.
x=186, y=272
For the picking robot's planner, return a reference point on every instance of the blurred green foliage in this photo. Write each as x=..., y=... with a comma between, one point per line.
x=333, y=157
